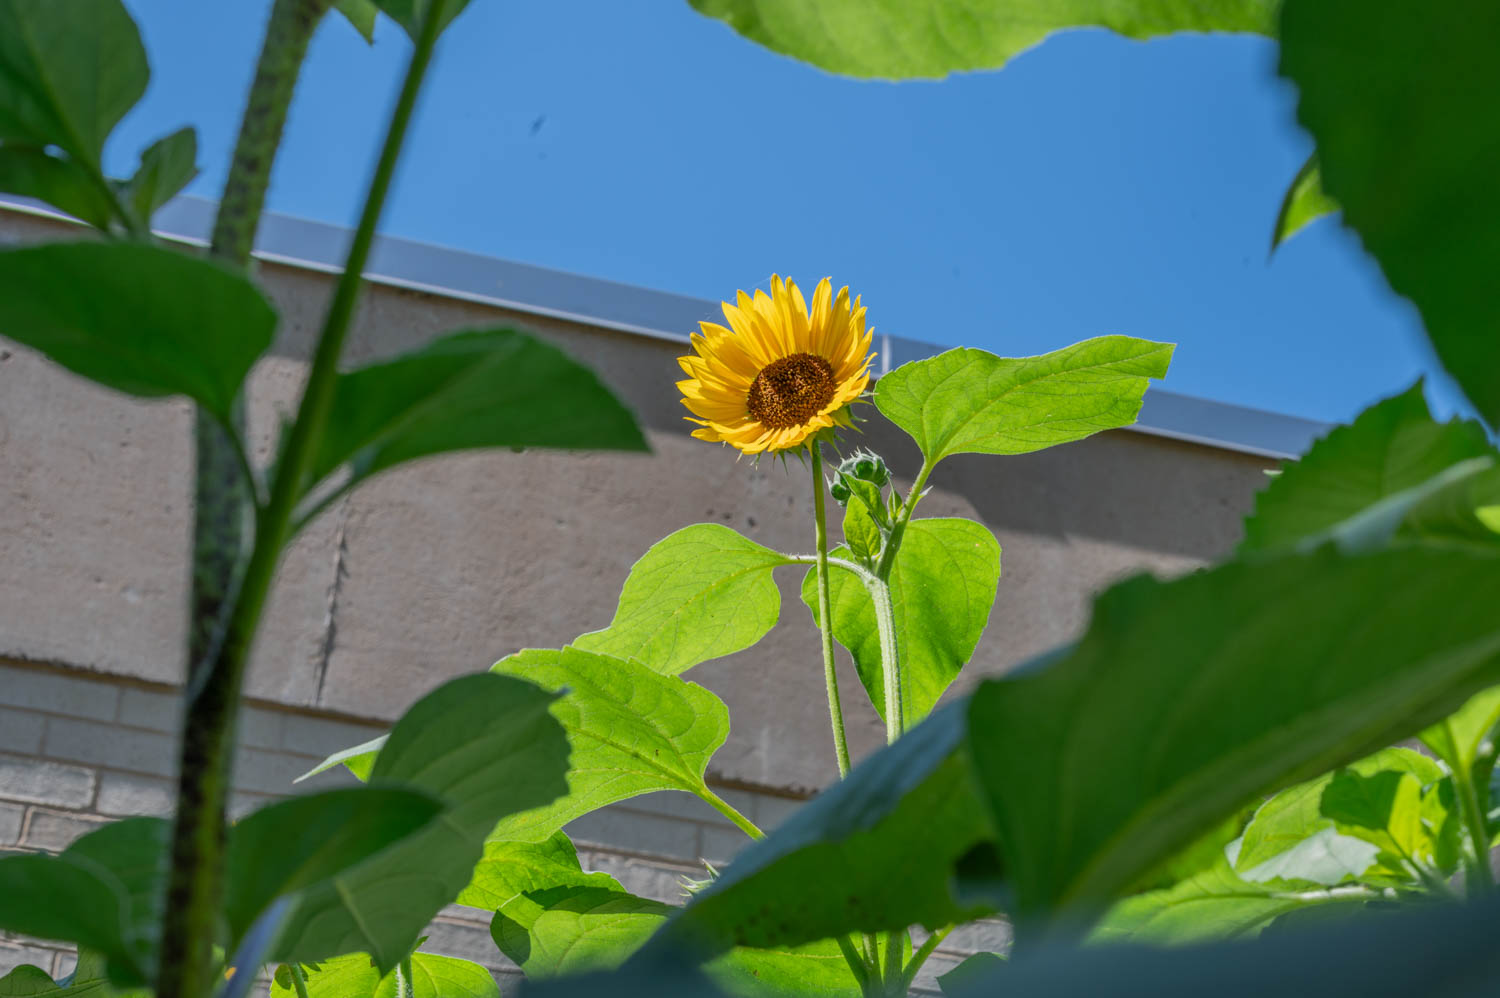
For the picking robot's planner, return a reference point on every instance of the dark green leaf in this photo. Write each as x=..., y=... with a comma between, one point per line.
x=487, y=747
x=970, y=401
x=467, y=390
x=895, y=40
x=88, y=980
x=632, y=731
x=192, y=327
x=412, y=14
x=700, y=593
x=1400, y=99
x=942, y=588
x=25, y=981
x=167, y=166
x=78, y=901
x=512, y=868
x=980, y=965
x=134, y=851
x=32, y=172
x=293, y=844
x=1186, y=699
x=362, y=14
x=1304, y=202
x=1393, y=446
x=68, y=73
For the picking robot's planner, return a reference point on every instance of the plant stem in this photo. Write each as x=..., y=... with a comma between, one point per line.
x=856, y=964
x=208, y=740
x=898, y=528
x=299, y=980
x=920, y=956
x=223, y=503
x=894, y=983
x=825, y=613
x=404, y=987
x=1480, y=879
x=729, y=811
x=890, y=663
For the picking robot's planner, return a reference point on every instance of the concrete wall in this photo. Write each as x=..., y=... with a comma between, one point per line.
x=440, y=568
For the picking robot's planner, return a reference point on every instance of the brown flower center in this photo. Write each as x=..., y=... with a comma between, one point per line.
x=790, y=391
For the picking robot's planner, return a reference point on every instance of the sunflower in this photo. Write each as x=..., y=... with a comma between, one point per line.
x=779, y=374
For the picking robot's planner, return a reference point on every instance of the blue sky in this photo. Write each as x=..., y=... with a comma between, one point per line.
x=1095, y=185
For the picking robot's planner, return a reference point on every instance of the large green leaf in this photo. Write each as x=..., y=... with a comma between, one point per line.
x=1304, y=202
x=943, y=585
x=487, y=747
x=970, y=401
x=1400, y=99
x=894, y=39
x=1393, y=446
x=702, y=592
x=1184, y=701
x=1385, y=809
x=632, y=731
x=509, y=869
x=293, y=844
x=577, y=930
x=139, y=319
x=68, y=73
x=56, y=897
x=1213, y=904
x=474, y=389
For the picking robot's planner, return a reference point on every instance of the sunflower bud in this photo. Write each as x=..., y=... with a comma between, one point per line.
x=866, y=466
x=839, y=489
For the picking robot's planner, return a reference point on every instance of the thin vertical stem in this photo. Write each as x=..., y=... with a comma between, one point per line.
x=825, y=613
x=1479, y=879
x=299, y=979
x=404, y=986
x=890, y=662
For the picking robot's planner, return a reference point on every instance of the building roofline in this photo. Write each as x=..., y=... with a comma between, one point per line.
x=661, y=315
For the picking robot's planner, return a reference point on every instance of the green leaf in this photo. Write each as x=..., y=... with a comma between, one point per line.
x=293, y=844
x=943, y=586
x=167, y=166
x=1382, y=808
x=509, y=869
x=134, y=851
x=633, y=731
x=467, y=390
x=63, y=300
x=1456, y=739
x=355, y=976
x=487, y=747
x=1303, y=202
x=977, y=967
x=362, y=14
x=1289, y=839
x=577, y=930
x=862, y=539
x=26, y=981
x=970, y=401
x=358, y=759
x=434, y=976
x=878, y=38
x=412, y=14
x=890, y=836
x=1393, y=446
x=56, y=897
x=1183, y=702
x=1400, y=101
x=1186, y=699
x=1213, y=904
x=700, y=593
x=68, y=73
x=88, y=980
x=32, y=172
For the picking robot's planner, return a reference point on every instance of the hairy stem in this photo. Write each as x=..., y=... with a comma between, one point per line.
x=729, y=811
x=898, y=528
x=195, y=885
x=895, y=985
x=825, y=613
x=404, y=986
x=890, y=663
x=223, y=496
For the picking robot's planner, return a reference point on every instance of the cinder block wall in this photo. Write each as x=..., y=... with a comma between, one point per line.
x=439, y=569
